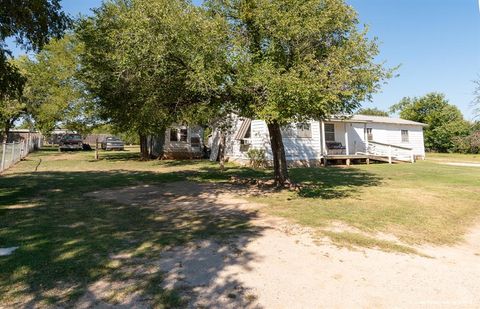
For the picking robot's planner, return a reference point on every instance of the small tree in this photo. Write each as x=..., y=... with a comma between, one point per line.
x=294, y=61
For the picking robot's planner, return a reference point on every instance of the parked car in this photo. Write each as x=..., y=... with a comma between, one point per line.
x=113, y=143
x=71, y=141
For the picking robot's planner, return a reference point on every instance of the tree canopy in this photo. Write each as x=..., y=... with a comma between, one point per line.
x=31, y=23
x=53, y=93
x=150, y=63
x=372, y=111
x=444, y=120
x=293, y=61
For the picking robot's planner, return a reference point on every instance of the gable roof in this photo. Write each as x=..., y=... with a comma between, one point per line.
x=381, y=119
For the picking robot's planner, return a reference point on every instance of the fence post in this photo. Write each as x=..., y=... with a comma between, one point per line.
x=4, y=149
x=390, y=154
x=13, y=153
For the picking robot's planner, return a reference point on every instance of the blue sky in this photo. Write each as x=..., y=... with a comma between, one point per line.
x=436, y=42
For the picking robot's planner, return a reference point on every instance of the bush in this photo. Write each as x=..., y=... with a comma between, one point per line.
x=467, y=144
x=257, y=158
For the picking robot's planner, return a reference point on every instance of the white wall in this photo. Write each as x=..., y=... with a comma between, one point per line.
x=179, y=146
x=295, y=148
x=391, y=134
x=311, y=148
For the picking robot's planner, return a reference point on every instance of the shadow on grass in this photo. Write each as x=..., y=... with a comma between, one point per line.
x=68, y=241
x=332, y=182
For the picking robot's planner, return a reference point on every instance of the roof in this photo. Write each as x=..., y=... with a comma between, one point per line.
x=381, y=119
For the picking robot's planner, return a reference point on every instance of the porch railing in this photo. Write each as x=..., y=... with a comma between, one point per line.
x=391, y=152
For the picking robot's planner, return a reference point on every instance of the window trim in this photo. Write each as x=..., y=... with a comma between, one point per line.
x=369, y=133
x=329, y=133
x=405, y=137
x=300, y=127
x=173, y=132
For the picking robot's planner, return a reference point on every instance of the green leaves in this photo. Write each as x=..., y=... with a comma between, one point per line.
x=150, y=62
x=53, y=93
x=298, y=60
x=445, y=121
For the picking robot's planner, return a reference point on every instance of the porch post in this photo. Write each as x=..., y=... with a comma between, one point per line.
x=322, y=137
x=365, y=137
x=347, y=151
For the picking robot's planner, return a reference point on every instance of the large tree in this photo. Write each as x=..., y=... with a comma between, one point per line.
x=445, y=121
x=31, y=23
x=293, y=61
x=53, y=93
x=149, y=63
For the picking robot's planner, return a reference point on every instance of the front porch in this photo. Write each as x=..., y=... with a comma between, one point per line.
x=349, y=142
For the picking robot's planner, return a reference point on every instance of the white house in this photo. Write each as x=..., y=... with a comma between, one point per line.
x=183, y=142
x=315, y=142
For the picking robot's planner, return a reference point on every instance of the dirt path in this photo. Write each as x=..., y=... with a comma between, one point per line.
x=283, y=266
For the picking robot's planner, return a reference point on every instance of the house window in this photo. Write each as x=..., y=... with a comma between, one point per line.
x=174, y=135
x=404, y=136
x=329, y=132
x=369, y=134
x=183, y=135
x=304, y=130
x=288, y=131
x=195, y=141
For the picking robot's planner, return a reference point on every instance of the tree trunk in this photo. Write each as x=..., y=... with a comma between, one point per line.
x=279, y=160
x=7, y=131
x=144, y=147
x=221, y=151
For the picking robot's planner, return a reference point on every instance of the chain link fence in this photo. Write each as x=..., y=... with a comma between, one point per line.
x=11, y=153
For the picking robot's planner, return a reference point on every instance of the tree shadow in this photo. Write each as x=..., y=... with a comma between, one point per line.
x=332, y=182
x=82, y=248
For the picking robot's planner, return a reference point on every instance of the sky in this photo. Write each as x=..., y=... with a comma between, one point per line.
x=435, y=42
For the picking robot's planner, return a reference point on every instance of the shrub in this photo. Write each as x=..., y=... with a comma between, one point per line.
x=257, y=158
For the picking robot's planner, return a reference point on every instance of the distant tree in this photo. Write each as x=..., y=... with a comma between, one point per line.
x=372, y=111
x=445, y=121
x=31, y=23
x=151, y=63
x=476, y=100
x=53, y=93
x=293, y=61
x=11, y=104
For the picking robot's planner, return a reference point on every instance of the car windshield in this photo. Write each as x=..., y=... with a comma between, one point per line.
x=72, y=136
x=112, y=139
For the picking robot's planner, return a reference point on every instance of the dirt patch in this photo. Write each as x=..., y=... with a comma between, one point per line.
x=285, y=266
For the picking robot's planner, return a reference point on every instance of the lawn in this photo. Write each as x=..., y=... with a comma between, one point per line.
x=66, y=240
x=453, y=157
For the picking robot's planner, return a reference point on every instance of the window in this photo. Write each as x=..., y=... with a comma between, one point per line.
x=369, y=134
x=404, y=136
x=329, y=132
x=304, y=130
x=195, y=141
x=183, y=135
x=288, y=131
x=174, y=135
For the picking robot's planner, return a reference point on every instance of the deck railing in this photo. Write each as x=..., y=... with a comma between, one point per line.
x=392, y=152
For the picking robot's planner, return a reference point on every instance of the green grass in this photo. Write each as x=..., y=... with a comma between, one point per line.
x=417, y=203
x=67, y=240
x=453, y=157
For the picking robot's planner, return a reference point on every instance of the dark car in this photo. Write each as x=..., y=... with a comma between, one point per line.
x=71, y=142
x=113, y=143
